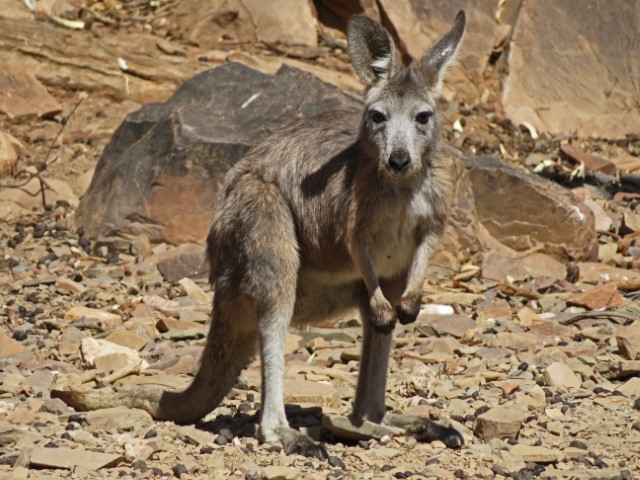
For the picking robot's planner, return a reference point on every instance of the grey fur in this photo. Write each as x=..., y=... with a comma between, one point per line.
x=329, y=214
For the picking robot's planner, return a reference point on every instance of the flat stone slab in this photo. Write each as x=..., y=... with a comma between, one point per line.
x=342, y=427
x=22, y=95
x=69, y=458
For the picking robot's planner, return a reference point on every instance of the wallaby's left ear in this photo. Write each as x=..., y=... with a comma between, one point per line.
x=442, y=54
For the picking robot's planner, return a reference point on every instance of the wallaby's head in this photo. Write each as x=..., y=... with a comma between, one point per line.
x=400, y=125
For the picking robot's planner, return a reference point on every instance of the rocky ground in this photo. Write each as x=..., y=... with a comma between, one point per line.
x=539, y=370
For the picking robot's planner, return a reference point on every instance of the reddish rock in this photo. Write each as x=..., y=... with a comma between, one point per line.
x=416, y=25
x=168, y=324
x=22, y=95
x=592, y=272
x=562, y=90
x=500, y=422
x=186, y=365
x=455, y=325
x=8, y=346
x=550, y=328
x=497, y=308
x=603, y=221
x=127, y=338
x=70, y=458
x=514, y=206
x=592, y=162
x=499, y=266
x=290, y=22
x=606, y=295
x=628, y=339
x=186, y=260
x=311, y=393
x=166, y=162
x=559, y=374
x=106, y=320
x=245, y=21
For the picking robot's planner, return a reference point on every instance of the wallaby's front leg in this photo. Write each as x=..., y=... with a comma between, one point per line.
x=408, y=308
x=382, y=316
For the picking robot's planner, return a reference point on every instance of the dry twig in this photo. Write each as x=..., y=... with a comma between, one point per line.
x=44, y=165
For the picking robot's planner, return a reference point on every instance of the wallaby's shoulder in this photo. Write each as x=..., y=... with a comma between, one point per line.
x=300, y=147
x=333, y=129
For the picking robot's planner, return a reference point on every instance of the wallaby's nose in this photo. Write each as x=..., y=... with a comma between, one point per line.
x=399, y=160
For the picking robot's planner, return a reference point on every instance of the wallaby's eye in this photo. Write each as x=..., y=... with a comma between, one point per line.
x=423, y=117
x=377, y=117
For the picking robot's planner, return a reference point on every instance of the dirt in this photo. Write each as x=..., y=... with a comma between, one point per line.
x=525, y=337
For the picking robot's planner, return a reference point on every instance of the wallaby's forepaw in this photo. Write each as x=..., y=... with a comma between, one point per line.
x=430, y=431
x=408, y=309
x=383, y=317
x=303, y=445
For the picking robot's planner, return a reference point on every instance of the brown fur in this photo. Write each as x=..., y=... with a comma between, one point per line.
x=315, y=221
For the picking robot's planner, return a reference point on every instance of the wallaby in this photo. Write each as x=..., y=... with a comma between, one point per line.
x=332, y=213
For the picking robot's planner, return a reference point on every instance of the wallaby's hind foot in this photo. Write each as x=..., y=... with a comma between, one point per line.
x=295, y=442
x=425, y=430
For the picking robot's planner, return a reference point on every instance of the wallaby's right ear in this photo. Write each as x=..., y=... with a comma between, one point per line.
x=371, y=48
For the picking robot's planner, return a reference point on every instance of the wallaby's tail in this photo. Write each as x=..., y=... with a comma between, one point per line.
x=231, y=345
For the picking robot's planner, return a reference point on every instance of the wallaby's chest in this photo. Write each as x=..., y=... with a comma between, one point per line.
x=395, y=233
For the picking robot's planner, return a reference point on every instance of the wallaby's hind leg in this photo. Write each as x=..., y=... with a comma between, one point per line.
x=270, y=254
x=273, y=327
x=372, y=381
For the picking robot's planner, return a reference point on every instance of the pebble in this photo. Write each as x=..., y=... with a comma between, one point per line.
x=276, y=472
x=117, y=419
x=628, y=341
x=179, y=470
x=559, y=374
x=499, y=422
x=507, y=368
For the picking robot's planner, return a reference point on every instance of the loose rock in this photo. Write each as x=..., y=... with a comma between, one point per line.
x=499, y=422
x=559, y=374
x=628, y=340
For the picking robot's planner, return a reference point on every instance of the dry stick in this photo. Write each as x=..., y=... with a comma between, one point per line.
x=13, y=275
x=45, y=164
x=604, y=314
x=129, y=369
x=64, y=124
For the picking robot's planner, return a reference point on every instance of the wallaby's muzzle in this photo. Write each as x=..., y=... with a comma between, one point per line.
x=399, y=161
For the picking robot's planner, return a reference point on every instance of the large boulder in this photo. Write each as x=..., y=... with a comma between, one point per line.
x=574, y=67
x=162, y=170
x=218, y=22
x=527, y=212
